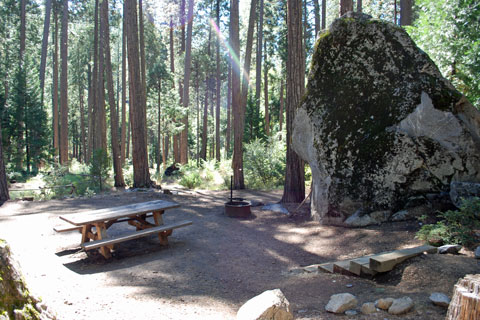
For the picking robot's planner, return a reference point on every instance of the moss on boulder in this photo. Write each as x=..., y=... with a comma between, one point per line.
x=15, y=301
x=379, y=124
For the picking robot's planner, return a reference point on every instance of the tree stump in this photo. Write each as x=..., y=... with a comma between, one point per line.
x=465, y=304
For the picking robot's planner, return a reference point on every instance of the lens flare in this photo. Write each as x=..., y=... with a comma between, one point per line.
x=233, y=56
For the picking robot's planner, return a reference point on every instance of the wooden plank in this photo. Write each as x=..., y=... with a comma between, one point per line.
x=356, y=265
x=326, y=267
x=102, y=215
x=387, y=261
x=133, y=235
x=66, y=228
x=342, y=267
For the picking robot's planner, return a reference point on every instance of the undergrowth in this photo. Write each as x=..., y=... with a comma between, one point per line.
x=455, y=226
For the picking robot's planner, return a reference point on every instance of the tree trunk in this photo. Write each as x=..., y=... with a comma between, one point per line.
x=217, y=109
x=172, y=54
x=258, y=70
x=4, y=196
x=46, y=32
x=82, y=114
x=203, y=153
x=465, y=303
x=229, y=107
x=20, y=112
x=238, y=112
x=91, y=103
x=248, y=56
x=186, y=85
x=124, y=96
x=265, y=87
x=280, y=115
x=359, y=6
x=64, y=87
x=55, y=86
x=406, y=17
x=141, y=175
x=324, y=14
x=316, y=13
x=105, y=33
x=395, y=11
x=294, y=189
x=345, y=6
x=159, y=123
x=197, y=91
x=100, y=138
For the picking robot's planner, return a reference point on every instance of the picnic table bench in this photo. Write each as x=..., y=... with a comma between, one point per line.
x=94, y=224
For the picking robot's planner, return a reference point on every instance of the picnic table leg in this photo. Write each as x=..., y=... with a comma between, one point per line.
x=101, y=234
x=162, y=236
x=86, y=232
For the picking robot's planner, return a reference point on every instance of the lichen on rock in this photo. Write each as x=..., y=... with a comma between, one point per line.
x=379, y=124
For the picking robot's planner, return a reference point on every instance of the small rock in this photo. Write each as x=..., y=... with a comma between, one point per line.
x=351, y=313
x=341, y=302
x=440, y=299
x=276, y=207
x=401, y=306
x=269, y=305
x=477, y=253
x=384, y=304
x=449, y=248
x=368, y=308
x=349, y=285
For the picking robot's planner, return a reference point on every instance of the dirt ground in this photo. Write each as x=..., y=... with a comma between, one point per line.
x=215, y=265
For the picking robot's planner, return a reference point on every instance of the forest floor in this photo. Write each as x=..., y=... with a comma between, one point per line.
x=215, y=265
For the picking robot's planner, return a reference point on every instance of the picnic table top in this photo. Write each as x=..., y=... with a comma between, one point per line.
x=107, y=214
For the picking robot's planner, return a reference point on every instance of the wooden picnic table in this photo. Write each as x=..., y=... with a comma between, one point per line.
x=94, y=224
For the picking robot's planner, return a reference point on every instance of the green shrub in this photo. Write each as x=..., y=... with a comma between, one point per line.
x=264, y=163
x=455, y=226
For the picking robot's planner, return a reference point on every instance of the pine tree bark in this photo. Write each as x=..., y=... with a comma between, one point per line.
x=4, y=195
x=258, y=70
x=238, y=112
x=229, y=107
x=100, y=120
x=55, y=125
x=406, y=16
x=359, y=6
x=265, y=87
x=20, y=112
x=186, y=85
x=159, y=124
x=124, y=96
x=203, y=153
x=141, y=175
x=248, y=55
x=280, y=115
x=324, y=14
x=345, y=6
x=46, y=32
x=316, y=14
x=64, y=87
x=294, y=188
x=105, y=33
x=217, y=109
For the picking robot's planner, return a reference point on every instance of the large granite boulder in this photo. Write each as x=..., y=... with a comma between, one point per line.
x=379, y=125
